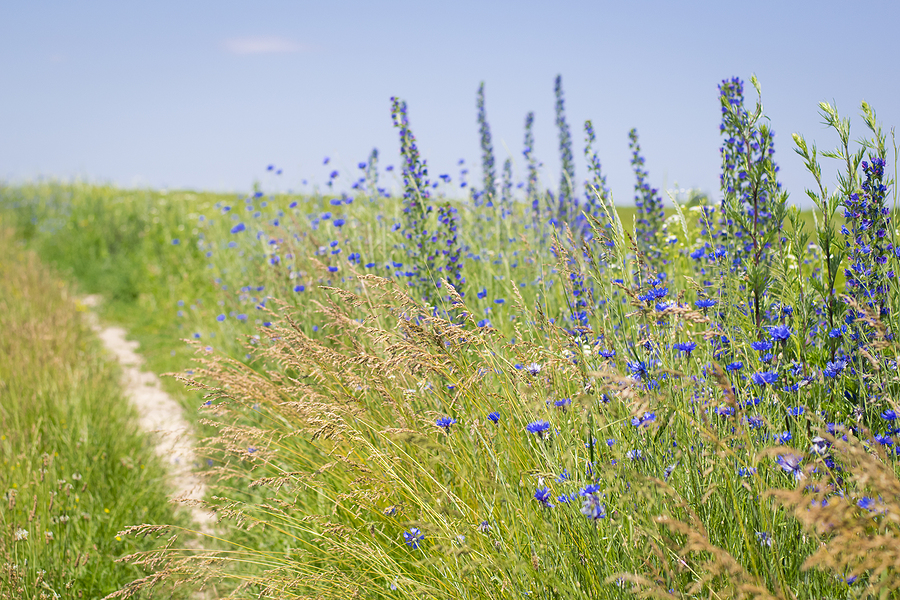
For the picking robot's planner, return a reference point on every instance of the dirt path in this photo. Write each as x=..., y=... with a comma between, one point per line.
x=160, y=415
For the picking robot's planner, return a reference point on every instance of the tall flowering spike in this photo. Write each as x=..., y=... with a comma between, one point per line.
x=751, y=204
x=867, y=236
x=650, y=213
x=415, y=172
x=567, y=177
x=487, y=151
x=416, y=203
x=596, y=185
x=451, y=250
x=506, y=189
x=531, y=186
x=372, y=174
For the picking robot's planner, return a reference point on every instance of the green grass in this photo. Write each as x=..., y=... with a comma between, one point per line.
x=331, y=519
x=74, y=469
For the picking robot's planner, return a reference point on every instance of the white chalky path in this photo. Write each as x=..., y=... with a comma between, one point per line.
x=160, y=416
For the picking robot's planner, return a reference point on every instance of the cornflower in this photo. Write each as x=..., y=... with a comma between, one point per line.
x=764, y=377
x=685, y=347
x=533, y=369
x=542, y=495
x=538, y=427
x=791, y=464
x=413, y=537
x=592, y=508
x=445, y=423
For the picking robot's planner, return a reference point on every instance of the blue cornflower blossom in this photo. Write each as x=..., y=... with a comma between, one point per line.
x=413, y=537
x=685, y=347
x=884, y=439
x=764, y=538
x=704, y=303
x=538, y=427
x=494, y=416
x=791, y=464
x=819, y=445
x=563, y=403
x=635, y=454
x=445, y=423
x=866, y=503
x=833, y=368
x=761, y=346
x=645, y=420
x=542, y=495
x=238, y=228
x=764, y=377
x=735, y=366
x=796, y=411
x=533, y=369
x=638, y=369
x=780, y=333
x=592, y=508
x=889, y=415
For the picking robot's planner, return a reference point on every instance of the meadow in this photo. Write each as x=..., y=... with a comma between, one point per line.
x=523, y=393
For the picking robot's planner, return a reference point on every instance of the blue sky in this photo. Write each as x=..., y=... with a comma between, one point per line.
x=204, y=95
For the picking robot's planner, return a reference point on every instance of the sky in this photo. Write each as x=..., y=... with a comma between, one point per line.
x=206, y=95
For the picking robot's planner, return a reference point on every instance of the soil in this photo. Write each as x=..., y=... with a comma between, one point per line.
x=159, y=415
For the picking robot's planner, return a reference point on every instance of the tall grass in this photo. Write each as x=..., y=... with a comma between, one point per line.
x=584, y=420
x=74, y=470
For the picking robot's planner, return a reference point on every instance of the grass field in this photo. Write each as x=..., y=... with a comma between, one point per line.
x=74, y=469
x=410, y=397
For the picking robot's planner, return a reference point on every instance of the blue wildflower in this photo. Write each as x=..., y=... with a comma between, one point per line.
x=445, y=422
x=238, y=228
x=780, y=333
x=538, y=427
x=833, y=368
x=866, y=503
x=791, y=464
x=413, y=537
x=494, y=416
x=764, y=377
x=592, y=508
x=685, y=347
x=533, y=369
x=542, y=495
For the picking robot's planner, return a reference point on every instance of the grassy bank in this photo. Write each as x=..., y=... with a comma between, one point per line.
x=74, y=470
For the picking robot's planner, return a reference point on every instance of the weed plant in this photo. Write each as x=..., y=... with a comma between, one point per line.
x=716, y=417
